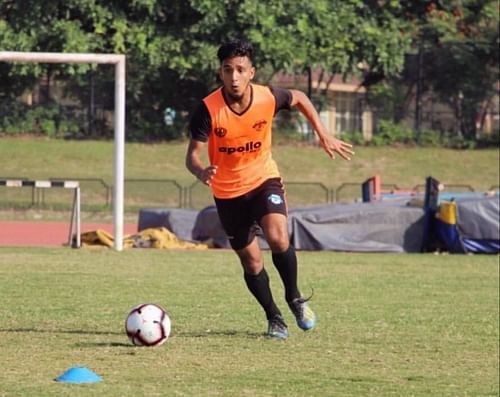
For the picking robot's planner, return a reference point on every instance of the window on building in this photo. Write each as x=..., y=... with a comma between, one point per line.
x=348, y=112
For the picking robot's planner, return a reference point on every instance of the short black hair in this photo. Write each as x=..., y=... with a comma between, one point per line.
x=235, y=48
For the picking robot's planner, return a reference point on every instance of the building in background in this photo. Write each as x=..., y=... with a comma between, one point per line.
x=343, y=107
x=341, y=104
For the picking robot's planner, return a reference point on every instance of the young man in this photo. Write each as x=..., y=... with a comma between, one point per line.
x=236, y=122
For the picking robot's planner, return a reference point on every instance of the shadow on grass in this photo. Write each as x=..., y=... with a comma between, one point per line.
x=201, y=334
x=179, y=334
x=64, y=331
x=73, y=332
x=223, y=333
x=194, y=334
x=103, y=344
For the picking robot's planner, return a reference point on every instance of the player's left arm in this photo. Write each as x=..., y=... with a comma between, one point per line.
x=328, y=142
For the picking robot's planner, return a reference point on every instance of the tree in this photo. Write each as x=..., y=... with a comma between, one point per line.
x=151, y=33
x=329, y=37
x=454, y=57
x=171, y=44
x=463, y=65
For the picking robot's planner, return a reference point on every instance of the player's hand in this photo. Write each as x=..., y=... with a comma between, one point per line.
x=207, y=174
x=333, y=145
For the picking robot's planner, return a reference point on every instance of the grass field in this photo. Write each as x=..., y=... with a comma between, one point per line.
x=407, y=167
x=390, y=325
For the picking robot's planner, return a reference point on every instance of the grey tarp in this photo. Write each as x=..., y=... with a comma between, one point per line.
x=208, y=226
x=178, y=221
x=479, y=218
x=362, y=227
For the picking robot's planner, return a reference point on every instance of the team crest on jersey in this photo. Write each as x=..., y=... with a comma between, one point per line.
x=275, y=199
x=259, y=125
x=220, y=132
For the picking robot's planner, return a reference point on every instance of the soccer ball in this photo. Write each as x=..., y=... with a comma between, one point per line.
x=148, y=324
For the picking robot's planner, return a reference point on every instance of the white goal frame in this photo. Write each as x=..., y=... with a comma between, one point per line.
x=119, y=117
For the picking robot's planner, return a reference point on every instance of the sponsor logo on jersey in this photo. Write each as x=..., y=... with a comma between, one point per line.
x=275, y=199
x=259, y=125
x=248, y=147
x=220, y=132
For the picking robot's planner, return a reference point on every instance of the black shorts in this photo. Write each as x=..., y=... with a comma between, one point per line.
x=240, y=216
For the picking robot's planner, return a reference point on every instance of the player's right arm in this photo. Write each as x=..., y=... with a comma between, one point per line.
x=195, y=165
x=199, y=129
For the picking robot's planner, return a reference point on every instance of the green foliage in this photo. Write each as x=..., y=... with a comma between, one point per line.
x=459, y=45
x=389, y=99
x=171, y=47
x=460, y=142
x=155, y=129
x=332, y=35
x=390, y=133
x=489, y=140
x=49, y=121
x=354, y=137
x=430, y=138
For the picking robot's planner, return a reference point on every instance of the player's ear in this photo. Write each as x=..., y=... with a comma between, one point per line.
x=252, y=73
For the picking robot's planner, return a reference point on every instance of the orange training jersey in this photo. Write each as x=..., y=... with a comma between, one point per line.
x=240, y=144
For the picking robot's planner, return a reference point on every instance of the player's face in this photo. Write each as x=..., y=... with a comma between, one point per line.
x=236, y=74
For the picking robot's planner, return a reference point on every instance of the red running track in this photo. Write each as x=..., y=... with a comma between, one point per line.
x=47, y=234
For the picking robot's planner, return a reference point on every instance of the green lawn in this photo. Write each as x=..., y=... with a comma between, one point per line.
x=405, y=167
x=389, y=325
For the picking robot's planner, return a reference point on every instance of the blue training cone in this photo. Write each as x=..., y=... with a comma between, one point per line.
x=79, y=375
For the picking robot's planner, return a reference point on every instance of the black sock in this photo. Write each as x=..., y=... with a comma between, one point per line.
x=286, y=264
x=259, y=286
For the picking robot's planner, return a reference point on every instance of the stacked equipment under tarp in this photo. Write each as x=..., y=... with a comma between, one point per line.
x=178, y=220
x=357, y=227
x=394, y=221
x=469, y=224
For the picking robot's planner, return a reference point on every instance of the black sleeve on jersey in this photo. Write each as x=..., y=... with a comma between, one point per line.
x=283, y=98
x=200, y=123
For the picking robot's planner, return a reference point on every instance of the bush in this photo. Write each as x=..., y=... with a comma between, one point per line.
x=354, y=137
x=459, y=142
x=42, y=120
x=390, y=133
x=153, y=129
x=489, y=140
x=430, y=138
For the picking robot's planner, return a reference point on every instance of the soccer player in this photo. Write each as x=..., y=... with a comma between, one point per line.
x=235, y=120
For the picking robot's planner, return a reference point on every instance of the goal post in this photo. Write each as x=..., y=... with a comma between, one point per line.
x=119, y=117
